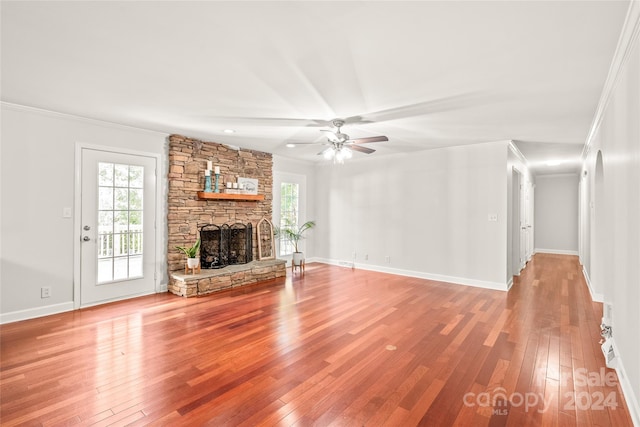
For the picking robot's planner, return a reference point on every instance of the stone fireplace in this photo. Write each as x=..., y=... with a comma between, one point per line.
x=225, y=226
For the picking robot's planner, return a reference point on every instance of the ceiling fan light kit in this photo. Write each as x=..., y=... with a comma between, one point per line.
x=342, y=146
x=338, y=155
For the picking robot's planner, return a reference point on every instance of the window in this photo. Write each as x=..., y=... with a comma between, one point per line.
x=120, y=189
x=289, y=200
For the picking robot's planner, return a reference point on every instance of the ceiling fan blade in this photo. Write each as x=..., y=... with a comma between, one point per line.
x=356, y=120
x=361, y=149
x=331, y=135
x=455, y=102
x=270, y=121
x=369, y=139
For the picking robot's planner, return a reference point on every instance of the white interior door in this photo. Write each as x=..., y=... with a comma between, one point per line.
x=117, y=256
x=530, y=220
x=516, y=260
x=524, y=235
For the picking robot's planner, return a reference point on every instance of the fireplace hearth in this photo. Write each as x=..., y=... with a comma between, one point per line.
x=222, y=245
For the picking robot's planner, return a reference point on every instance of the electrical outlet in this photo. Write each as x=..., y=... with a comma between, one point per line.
x=493, y=217
x=45, y=292
x=387, y=259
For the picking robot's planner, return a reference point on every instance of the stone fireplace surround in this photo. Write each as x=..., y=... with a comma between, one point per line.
x=187, y=213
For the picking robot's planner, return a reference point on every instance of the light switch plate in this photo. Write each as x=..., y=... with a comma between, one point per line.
x=493, y=217
x=66, y=212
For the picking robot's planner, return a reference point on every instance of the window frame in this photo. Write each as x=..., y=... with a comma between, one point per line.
x=293, y=178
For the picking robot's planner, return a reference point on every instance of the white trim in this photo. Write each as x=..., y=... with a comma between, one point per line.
x=630, y=31
x=559, y=175
x=627, y=390
x=516, y=151
x=554, y=251
x=510, y=283
x=77, y=220
x=278, y=178
x=77, y=223
x=142, y=294
x=75, y=117
x=594, y=297
x=32, y=313
x=418, y=274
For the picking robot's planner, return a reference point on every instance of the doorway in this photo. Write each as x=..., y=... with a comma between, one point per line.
x=518, y=231
x=601, y=247
x=117, y=226
x=516, y=258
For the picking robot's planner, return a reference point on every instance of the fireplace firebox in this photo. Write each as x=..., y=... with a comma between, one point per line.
x=222, y=245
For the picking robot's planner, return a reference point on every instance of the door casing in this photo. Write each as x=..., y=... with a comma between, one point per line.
x=77, y=213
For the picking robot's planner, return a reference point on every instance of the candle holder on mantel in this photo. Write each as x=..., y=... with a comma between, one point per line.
x=216, y=189
x=207, y=182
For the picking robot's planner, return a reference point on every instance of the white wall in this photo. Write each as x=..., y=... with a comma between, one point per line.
x=556, y=214
x=426, y=211
x=614, y=226
x=37, y=178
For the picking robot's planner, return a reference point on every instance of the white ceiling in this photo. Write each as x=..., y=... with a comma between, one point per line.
x=425, y=74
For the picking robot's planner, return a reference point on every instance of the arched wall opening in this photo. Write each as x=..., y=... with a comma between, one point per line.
x=600, y=238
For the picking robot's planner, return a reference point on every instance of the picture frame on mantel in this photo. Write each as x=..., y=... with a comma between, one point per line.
x=250, y=185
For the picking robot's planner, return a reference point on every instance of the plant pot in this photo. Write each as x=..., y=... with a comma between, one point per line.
x=193, y=262
x=297, y=259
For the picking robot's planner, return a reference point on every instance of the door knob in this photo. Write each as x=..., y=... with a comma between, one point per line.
x=86, y=238
x=86, y=228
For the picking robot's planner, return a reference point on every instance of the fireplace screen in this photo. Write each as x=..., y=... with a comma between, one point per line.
x=225, y=245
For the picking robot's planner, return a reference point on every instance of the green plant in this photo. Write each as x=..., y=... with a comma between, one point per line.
x=293, y=233
x=190, y=252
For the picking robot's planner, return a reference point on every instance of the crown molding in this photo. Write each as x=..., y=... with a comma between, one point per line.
x=516, y=151
x=628, y=35
x=89, y=120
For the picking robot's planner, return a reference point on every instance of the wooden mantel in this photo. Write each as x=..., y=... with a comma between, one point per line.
x=226, y=196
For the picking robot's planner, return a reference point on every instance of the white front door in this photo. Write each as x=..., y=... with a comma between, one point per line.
x=117, y=256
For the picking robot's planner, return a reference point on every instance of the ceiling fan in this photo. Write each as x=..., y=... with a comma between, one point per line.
x=341, y=146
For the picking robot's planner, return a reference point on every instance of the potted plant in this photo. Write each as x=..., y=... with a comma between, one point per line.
x=294, y=234
x=191, y=253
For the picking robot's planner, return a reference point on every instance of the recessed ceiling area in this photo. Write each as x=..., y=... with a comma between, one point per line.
x=425, y=74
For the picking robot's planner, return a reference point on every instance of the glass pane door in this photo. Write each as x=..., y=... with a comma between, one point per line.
x=120, y=228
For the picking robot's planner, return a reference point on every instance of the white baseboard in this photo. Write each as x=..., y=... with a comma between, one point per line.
x=32, y=313
x=594, y=296
x=418, y=274
x=555, y=251
x=627, y=390
x=510, y=282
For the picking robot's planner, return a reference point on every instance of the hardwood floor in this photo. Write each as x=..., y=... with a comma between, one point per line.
x=332, y=347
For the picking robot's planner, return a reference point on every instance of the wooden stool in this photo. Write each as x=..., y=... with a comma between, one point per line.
x=193, y=270
x=301, y=266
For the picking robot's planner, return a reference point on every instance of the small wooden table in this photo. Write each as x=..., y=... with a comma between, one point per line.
x=300, y=266
x=193, y=270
